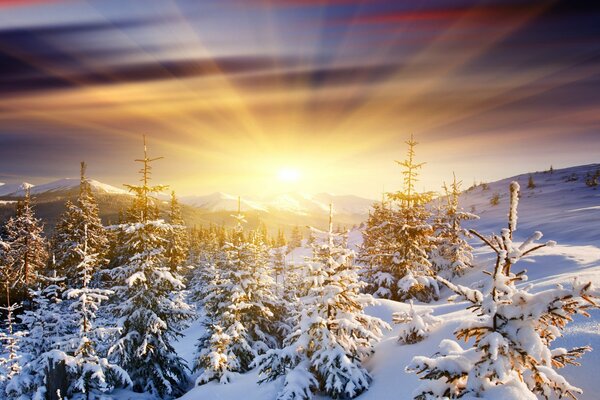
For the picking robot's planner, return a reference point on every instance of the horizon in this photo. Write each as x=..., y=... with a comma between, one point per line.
x=255, y=197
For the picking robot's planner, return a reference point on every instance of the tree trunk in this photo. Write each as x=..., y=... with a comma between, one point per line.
x=56, y=376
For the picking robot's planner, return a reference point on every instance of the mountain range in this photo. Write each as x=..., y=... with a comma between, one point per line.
x=558, y=195
x=283, y=210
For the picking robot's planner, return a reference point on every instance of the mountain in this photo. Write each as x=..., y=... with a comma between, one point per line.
x=6, y=189
x=219, y=201
x=61, y=185
x=280, y=211
x=292, y=202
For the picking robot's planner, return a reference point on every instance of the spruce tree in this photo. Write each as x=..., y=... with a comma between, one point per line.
x=332, y=335
x=68, y=239
x=398, y=239
x=295, y=238
x=47, y=328
x=27, y=247
x=511, y=336
x=149, y=315
x=10, y=365
x=451, y=254
x=240, y=308
x=88, y=371
x=178, y=248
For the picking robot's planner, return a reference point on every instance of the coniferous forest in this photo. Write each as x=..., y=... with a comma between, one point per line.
x=96, y=310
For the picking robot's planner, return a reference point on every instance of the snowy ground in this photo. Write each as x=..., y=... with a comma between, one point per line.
x=567, y=212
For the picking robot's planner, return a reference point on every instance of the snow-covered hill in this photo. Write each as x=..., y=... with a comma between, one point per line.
x=564, y=209
x=561, y=205
x=60, y=185
x=7, y=189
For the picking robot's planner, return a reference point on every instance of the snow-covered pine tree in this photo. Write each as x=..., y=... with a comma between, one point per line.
x=332, y=335
x=149, y=315
x=415, y=325
x=240, y=309
x=27, y=247
x=68, y=239
x=398, y=239
x=295, y=238
x=514, y=329
x=451, y=254
x=377, y=252
x=10, y=340
x=206, y=258
x=179, y=244
x=47, y=329
x=88, y=372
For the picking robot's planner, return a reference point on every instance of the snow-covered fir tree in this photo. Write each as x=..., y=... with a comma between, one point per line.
x=149, y=315
x=89, y=373
x=398, y=239
x=332, y=335
x=27, y=252
x=415, y=325
x=377, y=251
x=240, y=308
x=511, y=356
x=47, y=328
x=178, y=248
x=451, y=254
x=205, y=257
x=295, y=238
x=10, y=339
x=68, y=239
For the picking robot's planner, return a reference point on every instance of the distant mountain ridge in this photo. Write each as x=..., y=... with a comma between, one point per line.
x=292, y=202
x=60, y=185
x=281, y=211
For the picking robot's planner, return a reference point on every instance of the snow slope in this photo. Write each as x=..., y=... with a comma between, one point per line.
x=565, y=211
x=7, y=189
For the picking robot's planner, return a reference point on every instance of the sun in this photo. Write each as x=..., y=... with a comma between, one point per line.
x=288, y=175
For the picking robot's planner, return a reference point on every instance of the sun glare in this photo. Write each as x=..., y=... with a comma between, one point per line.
x=288, y=175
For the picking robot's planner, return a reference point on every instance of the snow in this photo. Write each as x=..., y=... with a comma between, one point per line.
x=8, y=188
x=566, y=212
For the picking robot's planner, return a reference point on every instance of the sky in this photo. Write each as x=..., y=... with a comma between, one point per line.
x=256, y=97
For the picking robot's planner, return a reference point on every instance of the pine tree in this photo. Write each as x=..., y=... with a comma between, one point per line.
x=452, y=254
x=68, y=238
x=45, y=341
x=398, y=240
x=149, y=315
x=295, y=238
x=10, y=340
x=511, y=355
x=89, y=372
x=530, y=183
x=178, y=249
x=331, y=336
x=27, y=247
x=377, y=251
x=240, y=307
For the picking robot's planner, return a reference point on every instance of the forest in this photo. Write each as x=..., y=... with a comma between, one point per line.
x=94, y=309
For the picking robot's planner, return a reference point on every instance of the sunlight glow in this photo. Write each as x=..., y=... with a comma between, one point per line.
x=288, y=175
